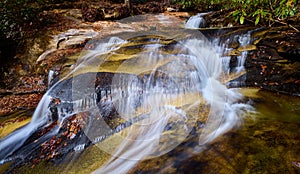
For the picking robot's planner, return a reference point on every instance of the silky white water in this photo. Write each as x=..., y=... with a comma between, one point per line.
x=222, y=48
x=79, y=103
x=16, y=139
x=143, y=140
x=244, y=40
x=160, y=89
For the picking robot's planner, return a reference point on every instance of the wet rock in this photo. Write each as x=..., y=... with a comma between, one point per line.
x=53, y=147
x=246, y=48
x=234, y=53
x=74, y=38
x=9, y=123
x=63, y=45
x=234, y=43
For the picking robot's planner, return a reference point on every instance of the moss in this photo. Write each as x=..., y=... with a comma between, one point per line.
x=78, y=162
x=7, y=129
x=9, y=123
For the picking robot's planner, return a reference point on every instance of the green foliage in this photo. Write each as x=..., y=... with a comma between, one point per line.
x=204, y=5
x=187, y=4
x=263, y=11
x=259, y=12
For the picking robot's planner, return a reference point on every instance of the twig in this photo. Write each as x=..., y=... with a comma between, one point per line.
x=289, y=25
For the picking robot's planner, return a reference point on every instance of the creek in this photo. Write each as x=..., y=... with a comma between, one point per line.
x=159, y=100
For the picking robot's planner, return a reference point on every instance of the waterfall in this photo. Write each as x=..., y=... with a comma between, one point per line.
x=196, y=21
x=244, y=40
x=169, y=81
x=72, y=98
x=221, y=49
x=50, y=77
x=143, y=140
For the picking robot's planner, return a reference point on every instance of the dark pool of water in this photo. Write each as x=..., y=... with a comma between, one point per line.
x=267, y=142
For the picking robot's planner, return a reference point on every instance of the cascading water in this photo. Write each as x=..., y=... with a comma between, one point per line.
x=15, y=140
x=221, y=48
x=70, y=104
x=196, y=21
x=163, y=86
x=222, y=51
x=244, y=40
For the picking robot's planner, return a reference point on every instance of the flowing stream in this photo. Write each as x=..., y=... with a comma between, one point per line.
x=136, y=96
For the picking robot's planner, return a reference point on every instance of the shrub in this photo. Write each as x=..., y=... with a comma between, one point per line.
x=263, y=12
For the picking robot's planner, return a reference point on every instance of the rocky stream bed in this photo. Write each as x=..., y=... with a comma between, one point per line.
x=272, y=64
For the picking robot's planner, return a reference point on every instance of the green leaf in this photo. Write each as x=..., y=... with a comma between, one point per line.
x=242, y=20
x=235, y=13
x=292, y=13
x=256, y=13
x=257, y=20
x=264, y=13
